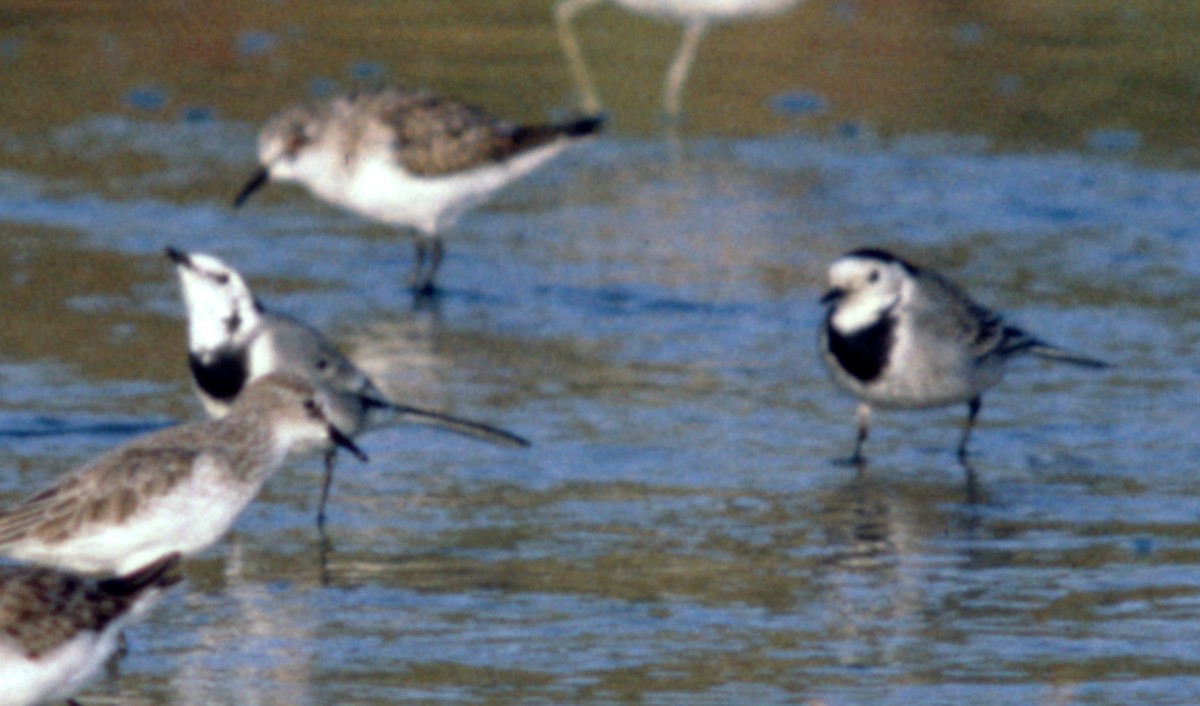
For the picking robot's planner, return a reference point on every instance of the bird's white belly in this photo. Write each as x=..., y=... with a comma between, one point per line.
x=381, y=190
x=56, y=675
x=194, y=515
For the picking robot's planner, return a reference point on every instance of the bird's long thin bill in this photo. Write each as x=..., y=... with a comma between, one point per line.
x=346, y=443
x=257, y=181
x=485, y=432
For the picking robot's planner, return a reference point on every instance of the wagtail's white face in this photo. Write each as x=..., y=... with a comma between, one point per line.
x=864, y=286
x=221, y=308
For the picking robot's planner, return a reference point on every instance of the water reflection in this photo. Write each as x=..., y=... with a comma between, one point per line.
x=255, y=645
x=873, y=579
x=403, y=356
x=676, y=535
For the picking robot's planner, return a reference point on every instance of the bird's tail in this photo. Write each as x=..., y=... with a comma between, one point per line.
x=413, y=415
x=1015, y=340
x=530, y=136
x=161, y=573
x=1049, y=352
x=582, y=127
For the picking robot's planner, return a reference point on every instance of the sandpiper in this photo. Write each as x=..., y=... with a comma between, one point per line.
x=176, y=490
x=411, y=158
x=57, y=629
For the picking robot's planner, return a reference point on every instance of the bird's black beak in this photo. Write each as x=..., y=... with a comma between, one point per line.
x=344, y=441
x=179, y=257
x=260, y=178
x=833, y=295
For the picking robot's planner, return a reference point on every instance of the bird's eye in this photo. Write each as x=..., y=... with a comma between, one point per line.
x=310, y=406
x=294, y=142
x=873, y=277
x=221, y=278
x=322, y=364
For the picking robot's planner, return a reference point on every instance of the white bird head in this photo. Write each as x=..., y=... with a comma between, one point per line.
x=283, y=149
x=864, y=285
x=285, y=142
x=222, y=311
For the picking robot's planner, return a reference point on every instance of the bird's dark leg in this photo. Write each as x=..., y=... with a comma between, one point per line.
x=972, y=412
x=419, y=258
x=330, y=456
x=429, y=259
x=435, y=262
x=864, y=424
x=974, y=494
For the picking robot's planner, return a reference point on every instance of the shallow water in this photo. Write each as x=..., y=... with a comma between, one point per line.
x=644, y=309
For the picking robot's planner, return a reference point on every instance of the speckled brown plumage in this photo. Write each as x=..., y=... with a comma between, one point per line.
x=437, y=135
x=111, y=488
x=175, y=490
x=410, y=158
x=431, y=134
x=41, y=609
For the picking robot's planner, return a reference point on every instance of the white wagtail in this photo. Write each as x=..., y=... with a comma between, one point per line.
x=696, y=16
x=233, y=339
x=410, y=158
x=176, y=490
x=902, y=337
x=57, y=629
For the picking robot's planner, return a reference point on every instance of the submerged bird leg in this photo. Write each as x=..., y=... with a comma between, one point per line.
x=435, y=262
x=681, y=66
x=864, y=421
x=324, y=549
x=974, y=494
x=330, y=457
x=419, y=257
x=429, y=259
x=972, y=412
x=563, y=13
x=864, y=425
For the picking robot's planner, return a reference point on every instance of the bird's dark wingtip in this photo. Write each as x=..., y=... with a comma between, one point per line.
x=588, y=125
x=162, y=572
